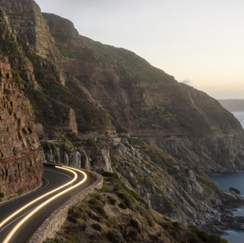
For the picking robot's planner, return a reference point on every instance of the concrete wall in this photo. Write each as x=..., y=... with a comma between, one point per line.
x=55, y=221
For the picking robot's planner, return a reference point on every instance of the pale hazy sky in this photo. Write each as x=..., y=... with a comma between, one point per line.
x=200, y=42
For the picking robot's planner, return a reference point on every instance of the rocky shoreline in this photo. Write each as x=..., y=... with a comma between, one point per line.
x=228, y=220
x=115, y=155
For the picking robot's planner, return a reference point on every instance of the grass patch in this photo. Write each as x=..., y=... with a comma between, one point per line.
x=16, y=77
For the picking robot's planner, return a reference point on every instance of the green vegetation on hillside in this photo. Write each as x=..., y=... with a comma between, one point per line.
x=116, y=215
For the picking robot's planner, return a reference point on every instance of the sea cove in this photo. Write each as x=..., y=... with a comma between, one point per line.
x=236, y=180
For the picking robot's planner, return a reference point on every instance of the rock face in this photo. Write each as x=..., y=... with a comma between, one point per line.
x=113, y=89
x=21, y=165
x=72, y=122
x=83, y=156
x=79, y=87
x=210, y=154
x=170, y=186
x=148, y=103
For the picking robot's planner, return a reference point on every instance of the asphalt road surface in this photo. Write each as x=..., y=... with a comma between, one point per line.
x=53, y=178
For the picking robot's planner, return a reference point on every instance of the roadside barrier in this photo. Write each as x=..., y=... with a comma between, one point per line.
x=55, y=221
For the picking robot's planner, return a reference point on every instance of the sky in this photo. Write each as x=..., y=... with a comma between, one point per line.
x=199, y=42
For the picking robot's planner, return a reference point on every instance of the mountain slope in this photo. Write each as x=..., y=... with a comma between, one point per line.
x=147, y=102
x=82, y=88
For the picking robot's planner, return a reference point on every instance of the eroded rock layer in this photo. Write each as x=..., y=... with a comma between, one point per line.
x=21, y=165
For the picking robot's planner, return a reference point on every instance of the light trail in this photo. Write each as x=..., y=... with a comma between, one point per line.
x=6, y=226
x=59, y=173
x=41, y=197
x=10, y=235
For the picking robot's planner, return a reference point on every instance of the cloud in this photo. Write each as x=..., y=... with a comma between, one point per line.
x=187, y=81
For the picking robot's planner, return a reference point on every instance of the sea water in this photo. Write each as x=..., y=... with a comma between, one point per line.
x=240, y=116
x=236, y=180
x=225, y=181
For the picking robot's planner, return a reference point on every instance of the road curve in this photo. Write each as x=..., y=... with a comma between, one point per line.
x=53, y=179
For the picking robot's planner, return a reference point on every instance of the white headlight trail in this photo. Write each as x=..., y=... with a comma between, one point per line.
x=39, y=198
x=10, y=235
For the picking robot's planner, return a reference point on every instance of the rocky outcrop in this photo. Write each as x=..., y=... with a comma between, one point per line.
x=170, y=186
x=210, y=154
x=72, y=122
x=85, y=157
x=110, y=88
x=21, y=166
x=148, y=103
x=26, y=21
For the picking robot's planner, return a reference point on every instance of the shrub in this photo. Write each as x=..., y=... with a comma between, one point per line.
x=134, y=223
x=72, y=219
x=82, y=226
x=176, y=224
x=111, y=200
x=100, y=211
x=121, y=129
x=20, y=191
x=203, y=235
x=1, y=195
x=97, y=227
x=68, y=237
x=16, y=77
x=165, y=225
x=193, y=239
x=126, y=200
x=114, y=236
x=110, y=174
x=91, y=143
x=216, y=239
x=150, y=222
x=122, y=205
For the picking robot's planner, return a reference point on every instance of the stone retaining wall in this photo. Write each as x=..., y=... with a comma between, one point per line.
x=55, y=221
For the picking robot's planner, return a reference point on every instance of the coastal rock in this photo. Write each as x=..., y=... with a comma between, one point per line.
x=232, y=189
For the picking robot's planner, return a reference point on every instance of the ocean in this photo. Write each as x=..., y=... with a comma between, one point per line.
x=240, y=116
x=235, y=180
x=225, y=181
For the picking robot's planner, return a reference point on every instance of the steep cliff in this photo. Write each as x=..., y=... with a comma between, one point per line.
x=20, y=160
x=148, y=103
x=79, y=87
x=113, y=89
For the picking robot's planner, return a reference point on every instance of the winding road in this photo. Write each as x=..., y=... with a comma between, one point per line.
x=21, y=217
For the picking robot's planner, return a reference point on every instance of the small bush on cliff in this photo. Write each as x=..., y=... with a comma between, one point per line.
x=16, y=77
x=91, y=143
x=1, y=195
x=122, y=205
x=115, y=236
x=20, y=191
x=216, y=239
x=97, y=227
